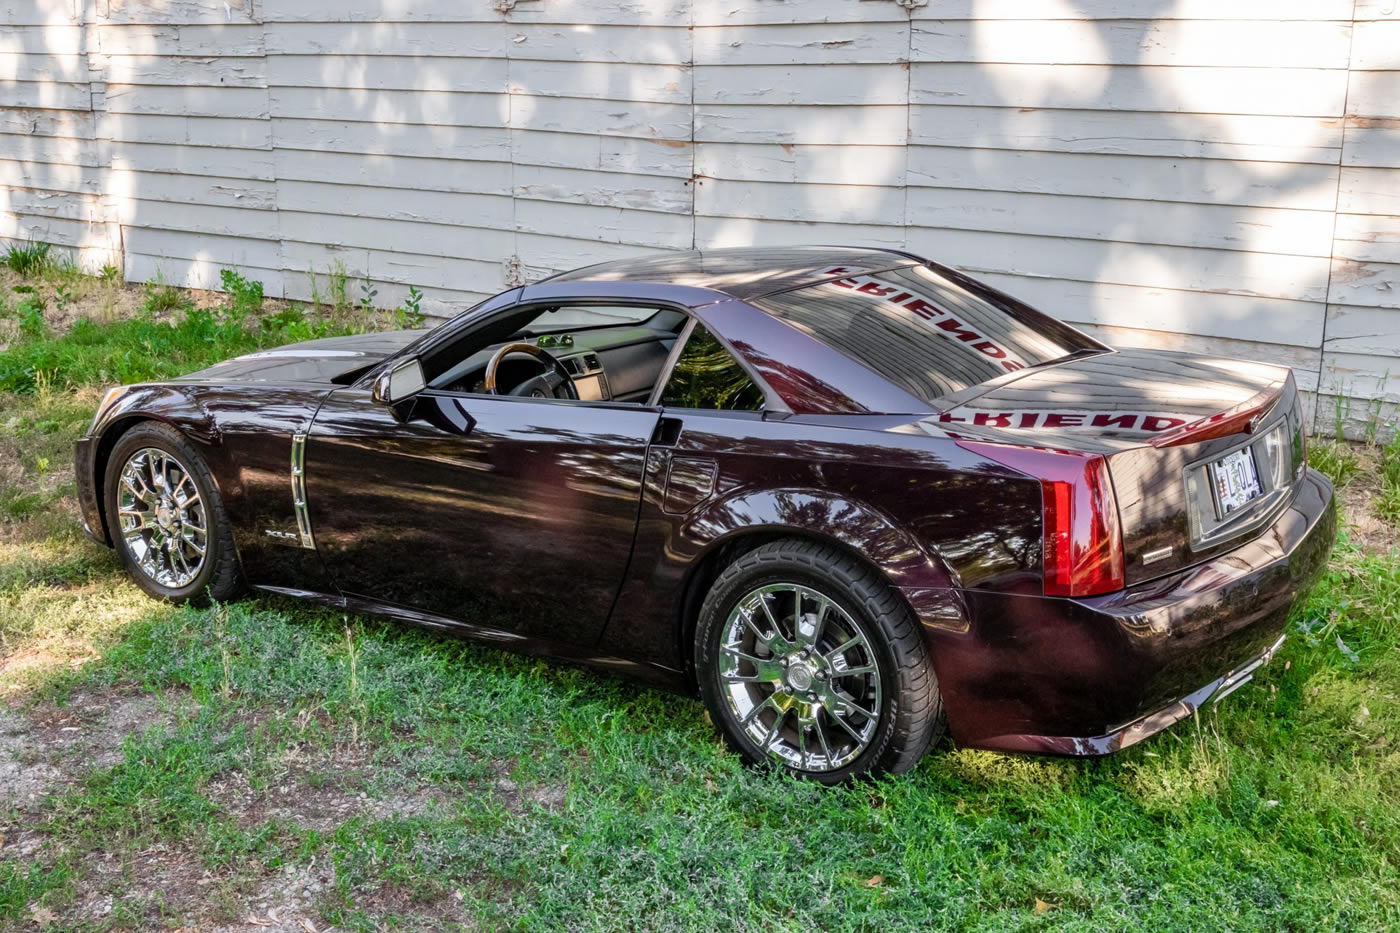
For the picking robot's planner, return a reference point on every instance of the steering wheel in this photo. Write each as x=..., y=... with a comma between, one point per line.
x=546, y=385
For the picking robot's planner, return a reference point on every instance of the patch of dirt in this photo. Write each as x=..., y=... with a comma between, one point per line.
x=1367, y=530
x=320, y=790
x=25, y=779
x=518, y=798
x=52, y=746
x=284, y=902
x=167, y=887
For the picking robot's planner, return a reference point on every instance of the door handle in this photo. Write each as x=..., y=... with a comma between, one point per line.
x=667, y=433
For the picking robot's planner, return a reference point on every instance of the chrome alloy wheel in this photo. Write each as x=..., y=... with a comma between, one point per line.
x=162, y=518
x=800, y=676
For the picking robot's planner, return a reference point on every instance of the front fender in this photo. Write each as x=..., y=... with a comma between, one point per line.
x=175, y=405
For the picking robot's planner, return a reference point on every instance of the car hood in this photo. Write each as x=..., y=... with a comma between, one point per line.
x=1106, y=402
x=327, y=360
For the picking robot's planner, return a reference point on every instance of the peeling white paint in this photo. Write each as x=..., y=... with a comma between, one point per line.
x=1224, y=177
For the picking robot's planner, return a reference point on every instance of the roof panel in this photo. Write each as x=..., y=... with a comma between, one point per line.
x=745, y=272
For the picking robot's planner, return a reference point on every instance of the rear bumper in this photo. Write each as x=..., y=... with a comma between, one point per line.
x=1091, y=676
x=91, y=513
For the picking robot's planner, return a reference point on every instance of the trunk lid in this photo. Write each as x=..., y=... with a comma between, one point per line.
x=1161, y=420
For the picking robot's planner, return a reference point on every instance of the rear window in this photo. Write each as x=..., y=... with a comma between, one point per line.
x=927, y=334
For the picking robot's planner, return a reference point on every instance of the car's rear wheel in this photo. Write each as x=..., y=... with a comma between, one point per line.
x=808, y=659
x=164, y=514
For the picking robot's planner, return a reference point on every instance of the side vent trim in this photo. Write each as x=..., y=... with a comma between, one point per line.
x=299, y=491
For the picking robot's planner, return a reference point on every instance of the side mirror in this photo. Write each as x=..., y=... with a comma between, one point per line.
x=400, y=382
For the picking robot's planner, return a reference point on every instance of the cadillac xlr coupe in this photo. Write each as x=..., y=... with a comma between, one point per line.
x=851, y=496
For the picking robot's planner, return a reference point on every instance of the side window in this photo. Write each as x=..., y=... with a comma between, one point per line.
x=707, y=376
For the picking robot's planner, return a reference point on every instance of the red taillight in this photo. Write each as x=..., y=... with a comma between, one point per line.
x=1083, y=544
x=1083, y=554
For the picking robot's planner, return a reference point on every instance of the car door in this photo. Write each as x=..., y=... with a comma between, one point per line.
x=513, y=515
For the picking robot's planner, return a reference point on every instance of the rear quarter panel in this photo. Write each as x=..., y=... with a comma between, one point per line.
x=929, y=515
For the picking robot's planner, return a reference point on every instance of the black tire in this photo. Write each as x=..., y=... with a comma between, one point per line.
x=910, y=718
x=219, y=577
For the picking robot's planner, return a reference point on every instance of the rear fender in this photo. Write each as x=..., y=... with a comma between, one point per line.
x=857, y=527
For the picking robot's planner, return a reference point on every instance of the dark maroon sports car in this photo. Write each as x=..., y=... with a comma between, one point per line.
x=848, y=494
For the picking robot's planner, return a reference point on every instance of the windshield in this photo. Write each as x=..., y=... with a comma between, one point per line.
x=927, y=333
x=585, y=317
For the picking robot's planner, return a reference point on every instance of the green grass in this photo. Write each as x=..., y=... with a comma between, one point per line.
x=433, y=781
x=1388, y=502
x=29, y=259
x=1335, y=458
x=144, y=348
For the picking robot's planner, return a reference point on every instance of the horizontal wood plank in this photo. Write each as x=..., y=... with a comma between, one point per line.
x=440, y=207
x=839, y=204
x=388, y=72
x=46, y=95
x=194, y=160
x=1243, y=137
x=190, y=101
x=394, y=171
x=1300, y=92
x=450, y=142
x=1362, y=330
x=1183, y=269
x=177, y=130
x=876, y=125
x=1212, y=226
x=1376, y=45
x=603, y=188
x=881, y=166
x=620, y=225
x=1374, y=94
x=203, y=272
x=1212, y=181
x=1365, y=284
x=806, y=44
x=840, y=84
x=237, y=41
x=1311, y=10
x=1205, y=314
x=187, y=70
x=137, y=185
x=1207, y=43
x=1368, y=191
x=1367, y=237
x=234, y=252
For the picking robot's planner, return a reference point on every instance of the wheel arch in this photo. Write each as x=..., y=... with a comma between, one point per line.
x=157, y=405
x=863, y=534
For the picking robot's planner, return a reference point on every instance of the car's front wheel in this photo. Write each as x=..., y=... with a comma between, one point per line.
x=807, y=658
x=166, y=519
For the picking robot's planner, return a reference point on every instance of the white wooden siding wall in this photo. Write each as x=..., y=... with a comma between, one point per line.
x=1215, y=175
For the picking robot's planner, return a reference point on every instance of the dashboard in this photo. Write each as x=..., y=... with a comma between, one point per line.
x=620, y=364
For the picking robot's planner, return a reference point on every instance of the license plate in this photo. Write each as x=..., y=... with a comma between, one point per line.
x=1236, y=480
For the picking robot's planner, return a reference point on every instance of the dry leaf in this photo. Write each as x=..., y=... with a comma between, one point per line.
x=41, y=915
x=1040, y=906
x=874, y=881
x=710, y=785
x=308, y=926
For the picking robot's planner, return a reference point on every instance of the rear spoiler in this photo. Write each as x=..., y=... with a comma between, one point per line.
x=1242, y=419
